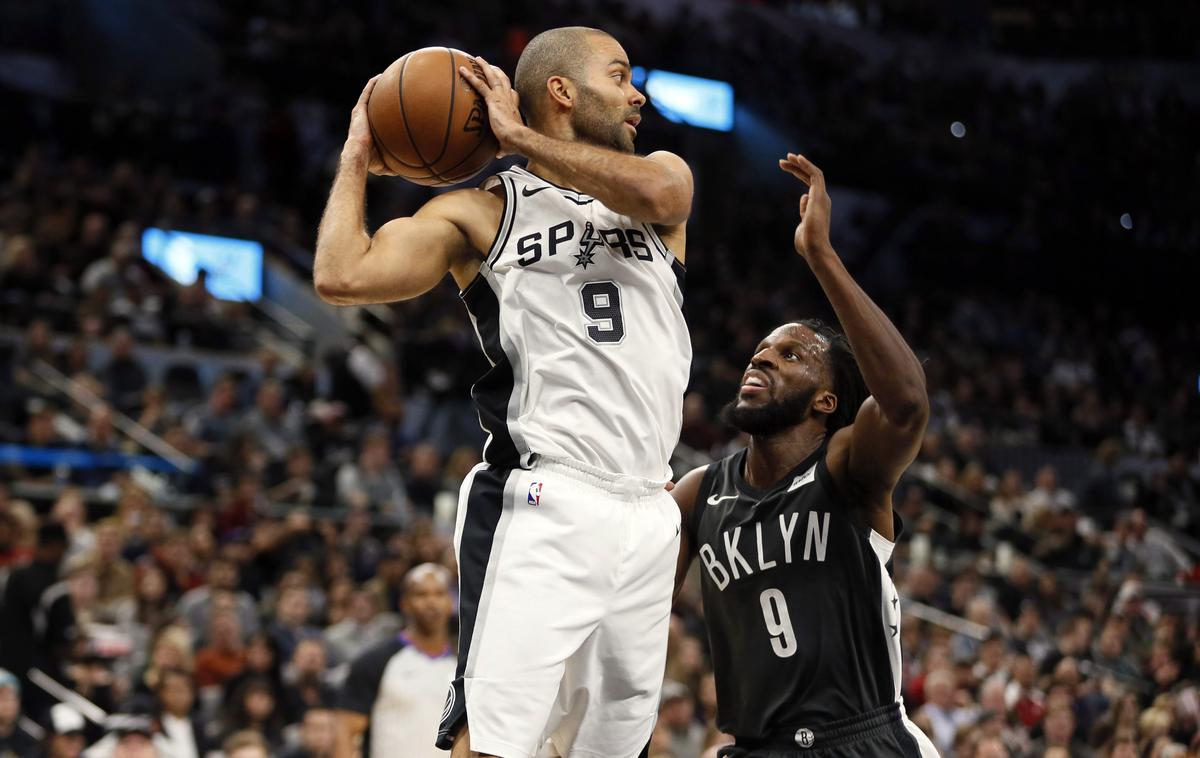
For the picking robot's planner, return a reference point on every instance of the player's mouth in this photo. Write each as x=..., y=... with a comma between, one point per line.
x=754, y=382
x=632, y=122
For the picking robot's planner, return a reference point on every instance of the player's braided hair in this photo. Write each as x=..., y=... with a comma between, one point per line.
x=848, y=383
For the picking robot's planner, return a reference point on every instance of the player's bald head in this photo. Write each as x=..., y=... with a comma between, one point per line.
x=555, y=52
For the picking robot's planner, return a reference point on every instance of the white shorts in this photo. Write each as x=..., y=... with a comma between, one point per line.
x=565, y=580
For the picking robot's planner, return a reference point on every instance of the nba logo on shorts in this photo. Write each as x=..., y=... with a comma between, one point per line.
x=535, y=493
x=805, y=737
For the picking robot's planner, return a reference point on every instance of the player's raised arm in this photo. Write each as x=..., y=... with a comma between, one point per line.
x=406, y=257
x=869, y=456
x=585, y=126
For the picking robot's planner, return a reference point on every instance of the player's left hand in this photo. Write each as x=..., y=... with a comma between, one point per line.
x=503, y=103
x=812, y=233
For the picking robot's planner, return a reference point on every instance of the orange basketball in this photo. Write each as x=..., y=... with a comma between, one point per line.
x=429, y=123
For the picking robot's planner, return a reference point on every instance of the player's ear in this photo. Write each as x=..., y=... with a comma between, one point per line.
x=825, y=402
x=561, y=91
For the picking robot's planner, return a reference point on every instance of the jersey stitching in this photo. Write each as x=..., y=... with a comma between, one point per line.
x=507, y=218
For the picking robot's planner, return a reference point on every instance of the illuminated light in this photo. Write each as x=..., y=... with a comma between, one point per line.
x=1126, y=221
x=234, y=267
x=691, y=100
x=958, y=129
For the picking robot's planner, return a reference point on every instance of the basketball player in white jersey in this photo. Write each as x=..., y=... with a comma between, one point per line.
x=571, y=271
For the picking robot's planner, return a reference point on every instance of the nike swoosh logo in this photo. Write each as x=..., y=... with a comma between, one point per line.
x=713, y=500
x=527, y=192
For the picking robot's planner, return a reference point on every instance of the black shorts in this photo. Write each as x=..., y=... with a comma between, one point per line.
x=881, y=733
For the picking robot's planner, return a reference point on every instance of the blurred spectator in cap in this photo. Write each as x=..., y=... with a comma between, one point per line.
x=13, y=739
x=316, y=735
x=181, y=729
x=388, y=582
x=20, y=647
x=65, y=738
x=129, y=735
x=677, y=713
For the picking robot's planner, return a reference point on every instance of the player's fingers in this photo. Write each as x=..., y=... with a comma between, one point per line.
x=501, y=77
x=366, y=93
x=479, y=84
x=803, y=204
x=808, y=167
x=791, y=169
x=488, y=72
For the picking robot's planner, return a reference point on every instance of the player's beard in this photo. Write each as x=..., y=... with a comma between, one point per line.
x=771, y=418
x=594, y=123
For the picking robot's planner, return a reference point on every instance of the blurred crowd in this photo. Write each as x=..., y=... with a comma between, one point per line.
x=1052, y=520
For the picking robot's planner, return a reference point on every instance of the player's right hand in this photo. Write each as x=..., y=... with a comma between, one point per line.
x=360, y=145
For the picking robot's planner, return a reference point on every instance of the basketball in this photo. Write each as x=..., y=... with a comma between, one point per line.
x=429, y=124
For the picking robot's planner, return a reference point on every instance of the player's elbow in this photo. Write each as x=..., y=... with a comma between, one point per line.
x=667, y=202
x=911, y=412
x=334, y=289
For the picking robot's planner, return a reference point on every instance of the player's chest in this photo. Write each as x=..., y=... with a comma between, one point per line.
x=798, y=536
x=587, y=241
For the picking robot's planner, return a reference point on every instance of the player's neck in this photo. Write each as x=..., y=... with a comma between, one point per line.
x=771, y=458
x=559, y=131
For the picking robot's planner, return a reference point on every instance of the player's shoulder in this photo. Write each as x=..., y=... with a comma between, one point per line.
x=462, y=203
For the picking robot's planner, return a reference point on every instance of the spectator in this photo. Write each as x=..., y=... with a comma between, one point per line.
x=13, y=737
x=65, y=737
x=113, y=573
x=124, y=377
x=225, y=655
x=365, y=626
x=373, y=482
x=677, y=714
x=291, y=621
x=254, y=708
x=223, y=578
x=395, y=691
x=70, y=511
x=20, y=645
x=181, y=729
x=317, y=735
x=1059, y=728
x=305, y=681
x=246, y=744
x=269, y=421
x=944, y=715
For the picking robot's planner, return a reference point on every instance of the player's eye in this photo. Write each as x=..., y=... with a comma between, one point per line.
x=790, y=355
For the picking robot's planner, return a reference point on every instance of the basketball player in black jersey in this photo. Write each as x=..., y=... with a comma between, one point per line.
x=795, y=533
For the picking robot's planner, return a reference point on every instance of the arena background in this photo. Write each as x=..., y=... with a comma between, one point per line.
x=1014, y=181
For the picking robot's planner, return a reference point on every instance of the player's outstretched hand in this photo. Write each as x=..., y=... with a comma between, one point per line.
x=503, y=103
x=359, y=142
x=812, y=233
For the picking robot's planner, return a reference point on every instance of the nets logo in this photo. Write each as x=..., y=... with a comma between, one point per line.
x=535, y=494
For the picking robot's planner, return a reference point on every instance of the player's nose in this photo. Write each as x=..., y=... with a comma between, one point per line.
x=762, y=359
x=637, y=98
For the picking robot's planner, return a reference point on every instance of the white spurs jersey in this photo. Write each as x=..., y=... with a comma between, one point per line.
x=579, y=310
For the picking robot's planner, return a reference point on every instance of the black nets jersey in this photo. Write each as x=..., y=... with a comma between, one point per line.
x=803, y=618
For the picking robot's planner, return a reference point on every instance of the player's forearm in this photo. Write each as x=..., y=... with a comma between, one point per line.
x=890, y=368
x=342, y=239
x=629, y=184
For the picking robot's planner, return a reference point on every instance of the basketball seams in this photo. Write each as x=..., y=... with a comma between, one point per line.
x=453, y=102
x=407, y=129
